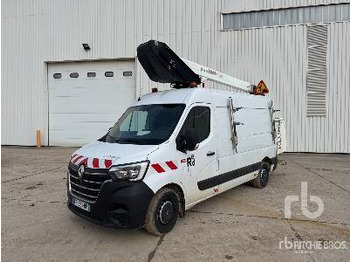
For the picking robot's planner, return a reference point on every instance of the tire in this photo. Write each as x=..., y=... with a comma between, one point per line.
x=263, y=176
x=162, y=212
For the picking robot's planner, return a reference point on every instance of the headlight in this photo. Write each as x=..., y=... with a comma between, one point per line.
x=132, y=172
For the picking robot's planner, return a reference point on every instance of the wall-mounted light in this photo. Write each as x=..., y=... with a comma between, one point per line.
x=86, y=46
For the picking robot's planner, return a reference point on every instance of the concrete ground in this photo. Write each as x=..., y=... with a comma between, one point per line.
x=243, y=224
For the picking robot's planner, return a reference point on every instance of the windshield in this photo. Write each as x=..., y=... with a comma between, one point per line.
x=145, y=125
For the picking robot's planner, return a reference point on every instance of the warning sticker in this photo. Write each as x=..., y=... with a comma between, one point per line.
x=261, y=88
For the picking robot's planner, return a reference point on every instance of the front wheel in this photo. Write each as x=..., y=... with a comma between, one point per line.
x=162, y=212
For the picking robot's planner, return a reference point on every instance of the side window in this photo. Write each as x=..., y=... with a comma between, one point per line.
x=198, y=119
x=74, y=75
x=57, y=75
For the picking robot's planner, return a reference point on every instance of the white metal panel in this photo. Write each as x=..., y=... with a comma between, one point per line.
x=82, y=109
x=337, y=126
x=255, y=131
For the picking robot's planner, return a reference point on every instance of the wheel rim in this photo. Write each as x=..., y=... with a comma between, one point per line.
x=166, y=212
x=264, y=176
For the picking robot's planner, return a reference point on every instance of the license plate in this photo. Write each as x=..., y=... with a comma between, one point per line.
x=81, y=204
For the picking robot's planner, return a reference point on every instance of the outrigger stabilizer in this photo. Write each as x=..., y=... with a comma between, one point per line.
x=164, y=66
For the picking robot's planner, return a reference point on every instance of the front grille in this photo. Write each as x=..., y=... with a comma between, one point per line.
x=89, y=186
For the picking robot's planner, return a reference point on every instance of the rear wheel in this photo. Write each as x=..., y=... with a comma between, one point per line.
x=263, y=176
x=163, y=212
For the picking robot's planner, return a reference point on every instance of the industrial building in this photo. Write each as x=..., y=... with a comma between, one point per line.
x=69, y=67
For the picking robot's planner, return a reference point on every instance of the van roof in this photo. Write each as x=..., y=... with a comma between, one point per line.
x=193, y=95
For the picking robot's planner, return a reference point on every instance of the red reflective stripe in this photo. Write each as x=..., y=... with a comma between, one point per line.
x=76, y=160
x=83, y=161
x=171, y=165
x=73, y=156
x=108, y=163
x=95, y=163
x=158, y=168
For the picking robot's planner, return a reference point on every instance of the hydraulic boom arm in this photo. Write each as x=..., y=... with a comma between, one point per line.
x=218, y=77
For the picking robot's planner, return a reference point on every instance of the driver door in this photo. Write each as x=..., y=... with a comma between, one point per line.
x=202, y=161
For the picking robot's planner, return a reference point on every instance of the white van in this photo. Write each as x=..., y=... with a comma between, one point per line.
x=169, y=151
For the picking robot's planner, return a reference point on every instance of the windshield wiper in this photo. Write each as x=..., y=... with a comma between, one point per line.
x=128, y=141
x=111, y=137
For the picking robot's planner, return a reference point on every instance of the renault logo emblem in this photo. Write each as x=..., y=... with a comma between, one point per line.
x=81, y=171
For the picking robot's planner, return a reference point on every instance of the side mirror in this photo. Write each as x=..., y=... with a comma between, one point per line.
x=187, y=141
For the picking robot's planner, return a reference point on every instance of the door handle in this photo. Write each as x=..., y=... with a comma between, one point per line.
x=210, y=153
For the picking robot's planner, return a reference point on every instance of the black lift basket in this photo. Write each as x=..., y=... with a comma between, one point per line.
x=164, y=66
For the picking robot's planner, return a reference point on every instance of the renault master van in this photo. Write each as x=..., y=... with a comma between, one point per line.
x=171, y=150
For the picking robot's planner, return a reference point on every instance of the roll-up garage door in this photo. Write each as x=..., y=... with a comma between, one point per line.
x=87, y=98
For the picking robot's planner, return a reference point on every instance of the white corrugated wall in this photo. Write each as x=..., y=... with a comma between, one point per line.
x=37, y=31
x=279, y=56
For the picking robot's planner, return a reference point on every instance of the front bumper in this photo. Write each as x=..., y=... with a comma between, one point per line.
x=120, y=204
